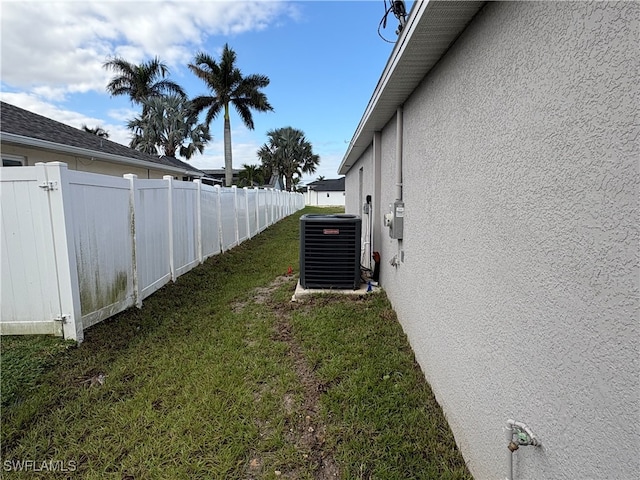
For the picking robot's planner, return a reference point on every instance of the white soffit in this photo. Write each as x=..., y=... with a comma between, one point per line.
x=431, y=29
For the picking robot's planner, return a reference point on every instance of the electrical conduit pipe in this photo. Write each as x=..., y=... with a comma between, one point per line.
x=399, y=127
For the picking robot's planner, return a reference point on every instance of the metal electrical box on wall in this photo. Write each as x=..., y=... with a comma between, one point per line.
x=395, y=220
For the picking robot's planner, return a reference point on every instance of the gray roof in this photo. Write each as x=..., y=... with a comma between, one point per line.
x=328, y=185
x=221, y=172
x=17, y=124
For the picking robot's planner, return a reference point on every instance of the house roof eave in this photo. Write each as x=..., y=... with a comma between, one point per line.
x=432, y=27
x=20, y=140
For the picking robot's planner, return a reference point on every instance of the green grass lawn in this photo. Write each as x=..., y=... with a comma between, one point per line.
x=220, y=376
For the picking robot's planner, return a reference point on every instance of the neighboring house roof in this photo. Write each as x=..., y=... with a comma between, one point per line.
x=218, y=176
x=220, y=172
x=328, y=185
x=432, y=27
x=24, y=128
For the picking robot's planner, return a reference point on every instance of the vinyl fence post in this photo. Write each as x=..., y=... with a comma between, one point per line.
x=280, y=194
x=258, y=230
x=198, y=183
x=274, y=211
x=169, y=180
x=235, y=212
x=270, y=208
x=264, y=194
x=133, y=221
x=57, y=188
x=246, y=207
x=219, y=215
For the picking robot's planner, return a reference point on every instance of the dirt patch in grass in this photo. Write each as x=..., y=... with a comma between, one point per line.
x=304, y=427
x=262, y=295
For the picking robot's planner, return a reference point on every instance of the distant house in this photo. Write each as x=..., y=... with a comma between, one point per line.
x=275, y=182
x=27, y=138
x=325, y=193
x=501, y=149
x=216, y=176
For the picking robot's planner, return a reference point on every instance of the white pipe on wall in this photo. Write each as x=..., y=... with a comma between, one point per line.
x=399, y=153
x=524, y=436
x=509, y=439
x=366, y=250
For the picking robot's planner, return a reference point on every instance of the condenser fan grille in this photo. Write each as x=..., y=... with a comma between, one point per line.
x=330, y=251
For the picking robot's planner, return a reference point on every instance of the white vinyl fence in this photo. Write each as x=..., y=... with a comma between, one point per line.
x=80, y=247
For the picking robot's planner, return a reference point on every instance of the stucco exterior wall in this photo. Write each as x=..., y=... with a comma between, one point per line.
x=352, y=183
x=357, y=187
x=519, y=289
x=84, y=164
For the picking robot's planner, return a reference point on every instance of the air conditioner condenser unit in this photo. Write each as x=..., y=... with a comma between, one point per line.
x=330, y=251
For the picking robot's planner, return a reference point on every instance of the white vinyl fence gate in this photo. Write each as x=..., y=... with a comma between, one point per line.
x=80, y=247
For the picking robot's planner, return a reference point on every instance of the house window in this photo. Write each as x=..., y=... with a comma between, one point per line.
x=13, y=161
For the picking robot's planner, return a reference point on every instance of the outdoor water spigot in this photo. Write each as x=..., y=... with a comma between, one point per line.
x=522, y=437
x=513, y=446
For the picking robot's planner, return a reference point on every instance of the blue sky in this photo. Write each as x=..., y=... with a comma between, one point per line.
x=324, y=59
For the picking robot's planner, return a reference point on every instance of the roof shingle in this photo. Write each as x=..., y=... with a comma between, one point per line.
x=18, y=121
x=328, y=185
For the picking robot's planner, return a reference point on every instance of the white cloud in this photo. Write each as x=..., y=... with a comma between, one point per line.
x=34, y=104
x=49, y=93
x=122, y=115
x=59, y=47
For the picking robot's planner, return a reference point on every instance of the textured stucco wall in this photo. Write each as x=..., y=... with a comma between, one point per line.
x=360, y=183
x=351, y=188
x=352, y=182
x=519, y=287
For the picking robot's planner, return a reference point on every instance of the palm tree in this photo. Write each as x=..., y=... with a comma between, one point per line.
x=99, y=131
x=289, y=154
x=228, y=87
x=295, y=185
x=168, y=126
x=140, y=82
x=250, y=174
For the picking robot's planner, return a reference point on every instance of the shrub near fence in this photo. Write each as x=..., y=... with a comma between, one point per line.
x=80, y=247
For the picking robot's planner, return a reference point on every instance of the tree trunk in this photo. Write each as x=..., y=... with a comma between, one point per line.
x=228, y=163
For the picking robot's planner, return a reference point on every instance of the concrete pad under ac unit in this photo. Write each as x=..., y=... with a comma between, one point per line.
x=301, y=293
